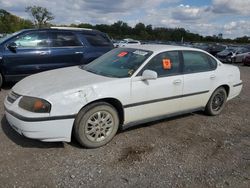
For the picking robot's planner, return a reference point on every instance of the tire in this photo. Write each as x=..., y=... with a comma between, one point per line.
x=96, y=125
x=216, y=102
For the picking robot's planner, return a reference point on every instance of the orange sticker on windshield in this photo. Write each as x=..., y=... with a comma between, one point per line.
x=166, y=63
x=122, y=54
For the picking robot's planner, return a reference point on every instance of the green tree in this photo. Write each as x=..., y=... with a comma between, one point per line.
x=10, y=23
x=40, y=15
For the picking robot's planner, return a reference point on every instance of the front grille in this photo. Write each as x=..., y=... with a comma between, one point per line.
x=12, y=97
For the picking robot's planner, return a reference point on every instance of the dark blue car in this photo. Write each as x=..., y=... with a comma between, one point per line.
x=31, y=51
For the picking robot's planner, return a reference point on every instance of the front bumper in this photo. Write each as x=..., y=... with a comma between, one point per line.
x=45, y=129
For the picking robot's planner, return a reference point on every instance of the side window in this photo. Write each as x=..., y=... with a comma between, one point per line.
x=33, y=40
x=197, y=62
x=97, y=40
x=157, y=64
x=64, y=39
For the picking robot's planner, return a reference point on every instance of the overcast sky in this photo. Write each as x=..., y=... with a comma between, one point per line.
x=206, y=17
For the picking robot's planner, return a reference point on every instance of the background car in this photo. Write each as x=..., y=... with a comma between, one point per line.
x=239, y=54
x=216, y=48
x=128, y=42
x=124, y=87
x=225, y=55
x=246, y=59
x=35, y=50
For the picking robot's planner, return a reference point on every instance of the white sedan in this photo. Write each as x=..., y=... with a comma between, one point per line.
x=124, y=87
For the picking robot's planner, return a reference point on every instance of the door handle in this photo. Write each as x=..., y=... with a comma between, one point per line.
x=212, y=77
x=44, y=53
x=78, y=52
x=176, y=82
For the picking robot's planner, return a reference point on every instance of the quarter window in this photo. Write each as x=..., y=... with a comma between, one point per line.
x=97, y=40
x=33, y=40
x=156, y=64
x=64, y=39
x=197, y=62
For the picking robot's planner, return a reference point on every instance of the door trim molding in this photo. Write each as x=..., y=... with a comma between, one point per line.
x=163, y=99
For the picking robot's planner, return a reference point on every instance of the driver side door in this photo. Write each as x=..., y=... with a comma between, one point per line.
x=31, y=52
x=152, y=99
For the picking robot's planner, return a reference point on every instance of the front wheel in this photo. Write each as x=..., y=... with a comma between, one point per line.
x=216, y=102
x=96, y=125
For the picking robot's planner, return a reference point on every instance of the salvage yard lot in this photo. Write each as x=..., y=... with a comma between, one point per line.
x=192, y=150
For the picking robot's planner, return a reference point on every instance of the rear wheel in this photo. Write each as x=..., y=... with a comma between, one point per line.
x=96, y=125
x=216, y=102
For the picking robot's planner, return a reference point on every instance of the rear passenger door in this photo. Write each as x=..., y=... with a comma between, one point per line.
x=66, y=49
x=199, y=79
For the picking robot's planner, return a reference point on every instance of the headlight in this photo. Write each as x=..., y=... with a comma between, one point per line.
x=33, y=104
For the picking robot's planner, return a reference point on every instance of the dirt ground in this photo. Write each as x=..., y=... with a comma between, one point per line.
x=192, y=150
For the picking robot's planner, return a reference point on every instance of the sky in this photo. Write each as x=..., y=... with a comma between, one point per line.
x=205, y=17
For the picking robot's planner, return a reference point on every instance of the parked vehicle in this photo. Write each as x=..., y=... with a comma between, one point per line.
x=116, y=43
x=225, y=55
x=246, y=59
x=202, y=46
x=124, y=87
x=35, y=50
x=239, y=54
x=216, y=48
x=128, y=42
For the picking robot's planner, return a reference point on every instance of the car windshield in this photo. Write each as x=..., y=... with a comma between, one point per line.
x=118, y=63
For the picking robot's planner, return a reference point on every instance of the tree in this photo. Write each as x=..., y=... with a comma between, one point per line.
x=10, y=23
x=41, y=15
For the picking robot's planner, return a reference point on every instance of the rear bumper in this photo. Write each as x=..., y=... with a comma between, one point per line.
x=235, y=90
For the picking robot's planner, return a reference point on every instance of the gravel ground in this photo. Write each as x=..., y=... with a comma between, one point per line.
x=193, y=150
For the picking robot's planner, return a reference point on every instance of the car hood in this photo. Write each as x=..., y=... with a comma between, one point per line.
x=55, y=81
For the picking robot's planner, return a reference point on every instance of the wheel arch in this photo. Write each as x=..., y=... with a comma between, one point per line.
x=226, y=87
x=115, y=103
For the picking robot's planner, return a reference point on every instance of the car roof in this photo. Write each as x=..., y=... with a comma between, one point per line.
x=157, y=48
x=79, y=30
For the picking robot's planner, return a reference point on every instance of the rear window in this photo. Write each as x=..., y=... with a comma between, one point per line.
x=97, y=40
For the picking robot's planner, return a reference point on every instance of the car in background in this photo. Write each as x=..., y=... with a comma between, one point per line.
x=116, y=43
x=246, y=59
x=202, y=46
x=122, y=88
x=239, y=54
x=216, y=48
x=225, y=55
x=34, y=50
x=128, y=42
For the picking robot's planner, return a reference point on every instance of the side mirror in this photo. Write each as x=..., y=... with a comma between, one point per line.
x=12, y=47
x=149, y=75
